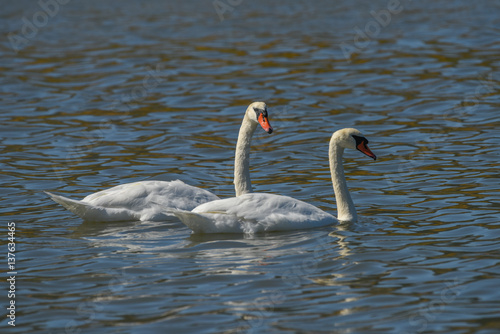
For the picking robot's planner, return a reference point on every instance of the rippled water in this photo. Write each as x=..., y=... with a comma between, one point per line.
x=103, y=93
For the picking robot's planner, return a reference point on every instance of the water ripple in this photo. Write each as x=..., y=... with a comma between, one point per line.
x=102, y=95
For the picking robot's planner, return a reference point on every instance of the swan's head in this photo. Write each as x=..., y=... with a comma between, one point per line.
x=353, y=139
x=257, y=112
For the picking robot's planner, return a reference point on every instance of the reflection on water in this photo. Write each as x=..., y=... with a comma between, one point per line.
x=104, y=94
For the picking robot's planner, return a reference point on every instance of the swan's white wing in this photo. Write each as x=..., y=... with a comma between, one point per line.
x=252, y=213
x=146, y=200
x=137, y=195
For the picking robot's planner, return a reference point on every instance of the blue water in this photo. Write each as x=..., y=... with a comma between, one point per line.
x=104, y=93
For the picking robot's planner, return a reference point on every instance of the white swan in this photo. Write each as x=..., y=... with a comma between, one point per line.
x=150, y=200
x=257, y=212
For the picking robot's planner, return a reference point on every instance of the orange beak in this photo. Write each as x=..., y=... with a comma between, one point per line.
x=364, y=148
x=264, y=122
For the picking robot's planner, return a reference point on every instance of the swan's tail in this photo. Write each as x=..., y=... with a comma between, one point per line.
x=195, y=221
x=214, y=222
x=77, y=207
x=91, y=213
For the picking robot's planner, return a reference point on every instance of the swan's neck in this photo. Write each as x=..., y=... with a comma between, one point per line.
x=242, y=182
x=345, y=206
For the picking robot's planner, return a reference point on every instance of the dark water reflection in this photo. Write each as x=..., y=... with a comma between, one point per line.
x=106, y=93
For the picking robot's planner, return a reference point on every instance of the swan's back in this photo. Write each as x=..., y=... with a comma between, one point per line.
x=138, y=195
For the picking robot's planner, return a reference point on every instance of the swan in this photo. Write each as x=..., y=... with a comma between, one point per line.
x=259, y=212
x=150, y=200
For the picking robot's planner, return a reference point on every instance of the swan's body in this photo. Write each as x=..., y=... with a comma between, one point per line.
x=145, y=200
x=152, y=200
x=252, y=213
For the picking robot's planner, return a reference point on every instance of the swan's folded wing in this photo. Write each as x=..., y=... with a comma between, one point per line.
x=137, y=196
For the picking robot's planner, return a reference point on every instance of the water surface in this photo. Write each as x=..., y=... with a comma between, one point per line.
x=106, y=93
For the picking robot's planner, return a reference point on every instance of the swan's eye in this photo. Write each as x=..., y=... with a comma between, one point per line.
x=360, y=140
x=260, y=111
